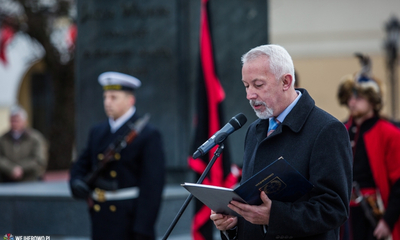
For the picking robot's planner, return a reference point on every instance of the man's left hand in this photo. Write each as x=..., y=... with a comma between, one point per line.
x=382, y=230
x=255, y=214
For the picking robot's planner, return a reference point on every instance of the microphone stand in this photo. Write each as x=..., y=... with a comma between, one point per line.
x=189, y=198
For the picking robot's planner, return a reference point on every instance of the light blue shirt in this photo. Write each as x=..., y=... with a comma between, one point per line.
x=287, y=110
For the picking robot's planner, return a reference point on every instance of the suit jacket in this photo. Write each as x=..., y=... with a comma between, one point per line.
x=318, y=146
x=142, y=164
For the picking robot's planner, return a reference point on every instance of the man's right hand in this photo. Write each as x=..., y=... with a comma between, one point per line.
x=382, y=230
x=223, y=222
x=80, y=189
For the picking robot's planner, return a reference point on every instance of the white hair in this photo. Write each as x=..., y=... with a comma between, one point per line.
x=280, y=61
x=18, y=110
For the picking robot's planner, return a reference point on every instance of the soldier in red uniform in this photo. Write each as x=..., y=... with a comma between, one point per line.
x=376, y=158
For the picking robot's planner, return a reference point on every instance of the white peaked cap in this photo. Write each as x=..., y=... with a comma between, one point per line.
x=118, y=81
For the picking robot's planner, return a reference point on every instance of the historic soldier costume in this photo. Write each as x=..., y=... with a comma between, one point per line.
x=126, y=197
x=376, y=158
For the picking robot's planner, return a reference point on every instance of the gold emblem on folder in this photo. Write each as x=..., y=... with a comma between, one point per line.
x=273, y=186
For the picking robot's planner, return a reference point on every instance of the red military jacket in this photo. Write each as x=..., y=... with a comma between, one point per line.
x=382, y=143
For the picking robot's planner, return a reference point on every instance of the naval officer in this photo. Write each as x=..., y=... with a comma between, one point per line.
x=125, y=199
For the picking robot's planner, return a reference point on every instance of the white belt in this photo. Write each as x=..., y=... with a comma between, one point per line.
x=120, y=194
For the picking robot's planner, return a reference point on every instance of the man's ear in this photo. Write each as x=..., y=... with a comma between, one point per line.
x=131, y=98
x=287, y=80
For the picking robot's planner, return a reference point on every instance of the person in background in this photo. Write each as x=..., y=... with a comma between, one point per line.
x=374, y=208
x=311, y=140
x=23, y=150
x=125, y=199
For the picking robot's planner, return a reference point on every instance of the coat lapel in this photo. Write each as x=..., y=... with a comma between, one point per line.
x=108, y=137
x=294, y=121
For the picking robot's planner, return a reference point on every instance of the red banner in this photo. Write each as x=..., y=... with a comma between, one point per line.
x=209, y=120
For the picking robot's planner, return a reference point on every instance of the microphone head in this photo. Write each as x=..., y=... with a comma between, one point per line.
x=238, y=121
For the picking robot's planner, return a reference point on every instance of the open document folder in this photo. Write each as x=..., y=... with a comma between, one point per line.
x=279, y=180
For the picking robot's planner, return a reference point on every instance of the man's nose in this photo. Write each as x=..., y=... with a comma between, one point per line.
x=250, y=94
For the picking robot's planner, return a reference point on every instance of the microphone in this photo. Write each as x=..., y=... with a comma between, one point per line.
x=234, y=124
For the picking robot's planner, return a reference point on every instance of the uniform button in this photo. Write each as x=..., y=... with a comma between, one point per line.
x=97, y=207
x=117, y=156
x=113, y=174
x=100, y=156
x=113, y=208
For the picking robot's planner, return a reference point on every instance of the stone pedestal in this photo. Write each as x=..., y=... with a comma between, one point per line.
x=47, y=209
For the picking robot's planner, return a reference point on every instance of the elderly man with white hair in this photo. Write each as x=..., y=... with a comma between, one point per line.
x=311, y=140
x=22, y=150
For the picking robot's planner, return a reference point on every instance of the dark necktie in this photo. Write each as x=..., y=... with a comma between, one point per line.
x=273, y=124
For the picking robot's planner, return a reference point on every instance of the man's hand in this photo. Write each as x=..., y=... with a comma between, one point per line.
x=17, y=173
x=382, y=230
x=80, y=189
x=255, y=214
x=223, y=222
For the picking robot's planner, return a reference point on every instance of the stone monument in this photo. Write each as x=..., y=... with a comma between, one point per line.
x=157, y=41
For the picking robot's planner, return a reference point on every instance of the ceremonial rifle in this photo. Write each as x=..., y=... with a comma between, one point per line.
x=112, y=153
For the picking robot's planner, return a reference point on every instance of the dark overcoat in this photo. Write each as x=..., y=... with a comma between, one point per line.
x=318, y=146
x=142, y=164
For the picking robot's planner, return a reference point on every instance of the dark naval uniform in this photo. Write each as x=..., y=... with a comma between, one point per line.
x=140, y=169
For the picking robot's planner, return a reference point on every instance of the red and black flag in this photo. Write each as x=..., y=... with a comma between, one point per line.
x=208, y=121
